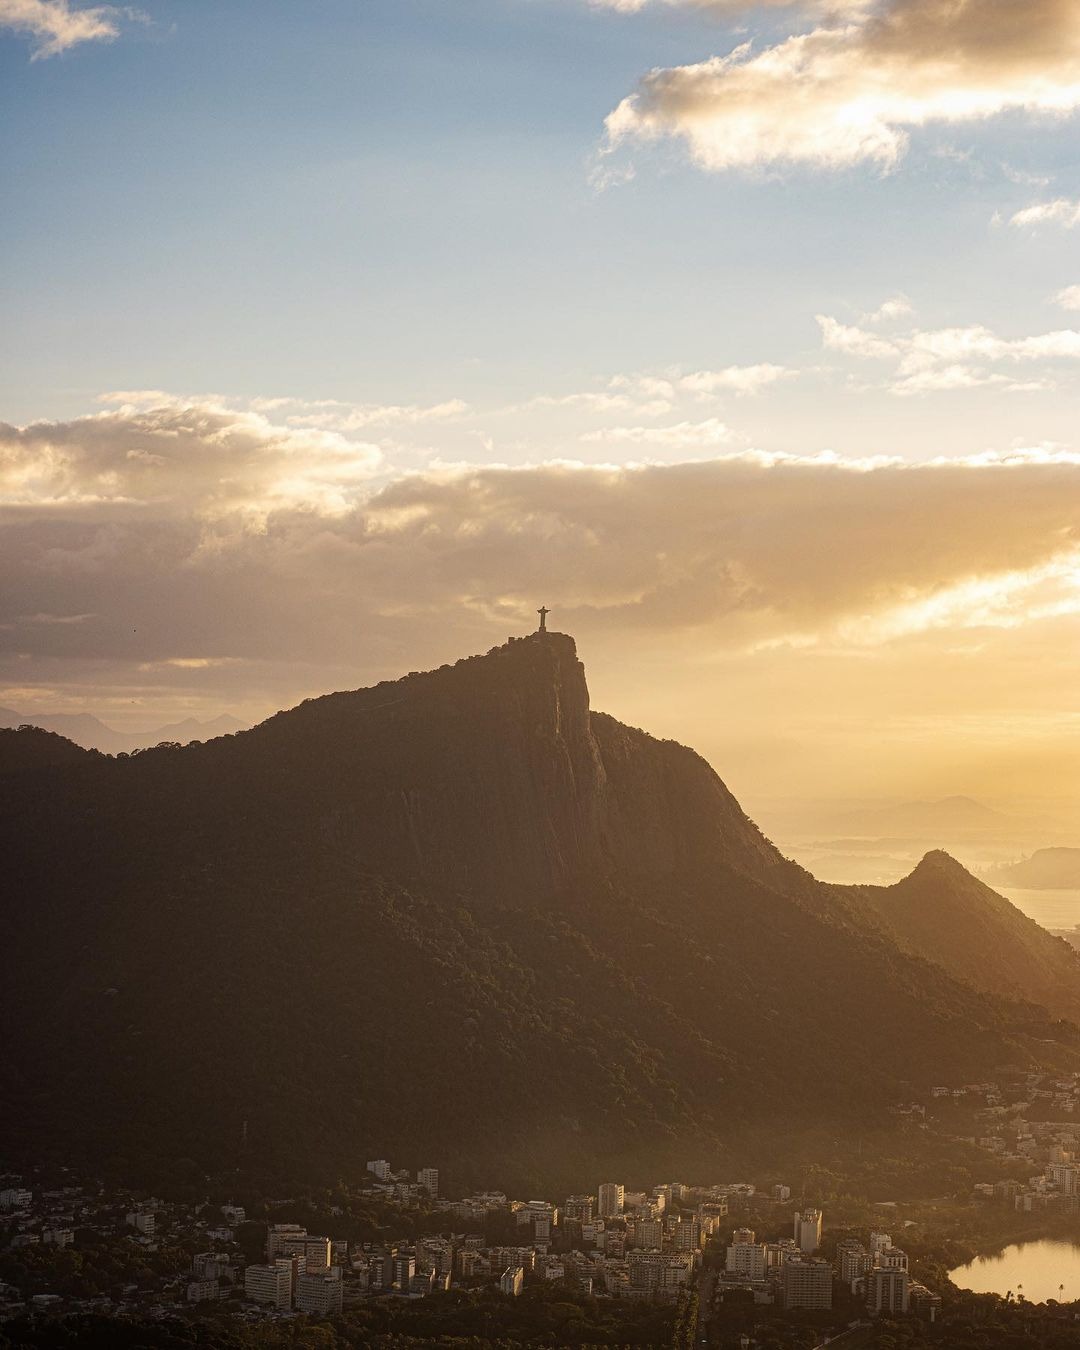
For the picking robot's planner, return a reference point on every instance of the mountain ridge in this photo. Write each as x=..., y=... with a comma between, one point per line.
x=1054, y=868
x=940, y=911
x=89, y=732
x=464, y=890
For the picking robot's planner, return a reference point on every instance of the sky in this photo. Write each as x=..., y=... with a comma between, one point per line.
x=341, y=334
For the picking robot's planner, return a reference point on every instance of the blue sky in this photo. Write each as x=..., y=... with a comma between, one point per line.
x=391, y=202
x=339, y=334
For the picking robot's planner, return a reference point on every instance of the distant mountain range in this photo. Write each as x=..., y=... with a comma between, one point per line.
x=93, y=734
x=463, y=918
x=948, y=818
x=1046, y=869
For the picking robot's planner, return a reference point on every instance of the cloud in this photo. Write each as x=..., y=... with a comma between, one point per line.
x=848, y=93
x=54, y=27
x=742, y=381
x=845, y=598
x=165, y=579
x=1060, y=212
x=1069, y=298
x=952, y=358
x=199, y=458
x=650, y=394
x=725, y=7
x=339, y=416
x=839, y=337
x=682, y=436
x=896, y=307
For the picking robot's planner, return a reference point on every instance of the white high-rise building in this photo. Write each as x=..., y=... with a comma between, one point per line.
x=270, y=1284
x=893, y=1259
x=808, y=1230
x=380, y=1168
x=312, y=1253
x=319, y=1293
x=887, y=1290
x=276, y=1235
x=746, y=1259
x=806, y=1284
x=879, y=1242
x=611, y=1199
x=428, y=1177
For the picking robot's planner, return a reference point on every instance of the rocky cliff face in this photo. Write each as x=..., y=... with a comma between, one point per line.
x=457, y=914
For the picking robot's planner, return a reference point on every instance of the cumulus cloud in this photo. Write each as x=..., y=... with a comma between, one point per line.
x=178, y=457
x=896, y=307
x=54, y=27
x=1069, y=298
x=849, y=92
x=653, y=394
x=1061, y=212
x=680, y=436
x=337, y=415
x=742, y=381
x=952, y=358
x=134, y=526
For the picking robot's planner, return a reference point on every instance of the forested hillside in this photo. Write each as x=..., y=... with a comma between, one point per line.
x=456, y=916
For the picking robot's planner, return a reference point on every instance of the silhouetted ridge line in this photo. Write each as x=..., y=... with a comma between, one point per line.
x=460, y=911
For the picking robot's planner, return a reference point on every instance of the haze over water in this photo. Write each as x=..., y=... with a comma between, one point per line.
x=1054, y=909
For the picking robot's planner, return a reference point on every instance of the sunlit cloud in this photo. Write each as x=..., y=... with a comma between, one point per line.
x=1069, y=298
x=131, y=583
x=850, y=92
x=1061, y=212
x=896, y=307
x=336, y=415
x=53, y=26
x=733, y=7
x=681, y=436
x=175, y=455
x=656, y=393
x=940, y=360
x=763, y=545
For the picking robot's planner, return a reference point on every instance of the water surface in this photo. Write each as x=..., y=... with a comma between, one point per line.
x=1053, y=909
x=1035, y=1269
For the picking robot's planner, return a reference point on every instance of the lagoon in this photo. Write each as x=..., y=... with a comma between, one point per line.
x=1038, y=1270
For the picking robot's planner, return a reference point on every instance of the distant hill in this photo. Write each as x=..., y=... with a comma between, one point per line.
x=1046, y=869
x=462, y=917
x=92, y=734
x=943, y=913
x=949, y=817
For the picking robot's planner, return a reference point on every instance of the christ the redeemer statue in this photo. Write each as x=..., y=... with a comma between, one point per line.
x=543, y=611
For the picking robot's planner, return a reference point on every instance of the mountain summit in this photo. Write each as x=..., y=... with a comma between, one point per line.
x=458, y=914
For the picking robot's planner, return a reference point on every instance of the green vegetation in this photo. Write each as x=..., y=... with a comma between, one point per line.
x=542, y=1316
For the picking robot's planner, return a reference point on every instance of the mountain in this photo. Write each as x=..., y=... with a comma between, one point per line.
x=944, y=914
x=459, y=917
x=1046, y=869
x=183, y=732
x=81, y=728
x=949, y=817
x=92, y=734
